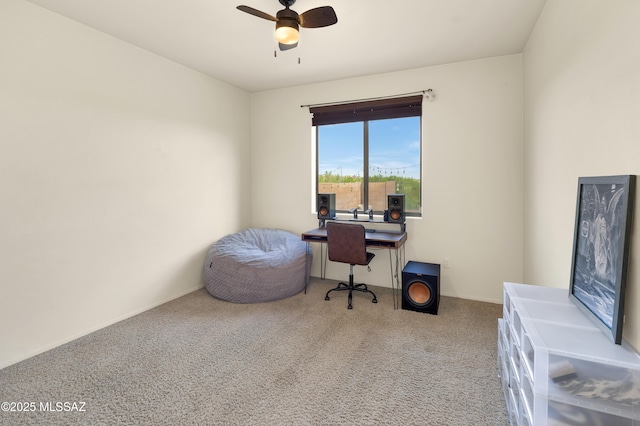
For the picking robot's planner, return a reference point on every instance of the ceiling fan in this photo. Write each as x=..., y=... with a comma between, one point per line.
x=287, y=21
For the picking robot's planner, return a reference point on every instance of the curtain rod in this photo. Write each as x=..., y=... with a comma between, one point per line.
x=423, y=92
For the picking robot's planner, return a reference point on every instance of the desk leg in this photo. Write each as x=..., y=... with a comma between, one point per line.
x=307, y=268
x=396, y=285
x=323, y=262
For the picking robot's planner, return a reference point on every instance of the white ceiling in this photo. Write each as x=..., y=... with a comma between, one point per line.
x=371, y=36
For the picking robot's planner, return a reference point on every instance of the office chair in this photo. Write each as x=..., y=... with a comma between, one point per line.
x=346, y=243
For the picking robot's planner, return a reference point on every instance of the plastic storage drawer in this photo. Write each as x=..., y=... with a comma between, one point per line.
x=580, y=366
x=526, y=291
x=558, y=313
x=548, y=412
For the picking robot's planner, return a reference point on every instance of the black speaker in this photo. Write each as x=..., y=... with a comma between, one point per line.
x=326, y=206
x=421, y=287
x=395, y=205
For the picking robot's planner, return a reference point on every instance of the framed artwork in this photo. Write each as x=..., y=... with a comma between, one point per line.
x=604, y=211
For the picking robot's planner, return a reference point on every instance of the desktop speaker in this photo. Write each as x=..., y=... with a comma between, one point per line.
x=395, y=207
x=326, y=206
x=421, y=287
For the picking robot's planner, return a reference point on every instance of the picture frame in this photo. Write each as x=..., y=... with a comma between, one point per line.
x=604, y=211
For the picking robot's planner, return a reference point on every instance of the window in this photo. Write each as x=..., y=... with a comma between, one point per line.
x=367, y=150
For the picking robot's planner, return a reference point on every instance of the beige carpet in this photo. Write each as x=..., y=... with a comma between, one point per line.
x=299, y=361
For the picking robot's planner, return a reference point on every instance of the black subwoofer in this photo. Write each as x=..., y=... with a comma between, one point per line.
x=421, y=287
x=326, y=206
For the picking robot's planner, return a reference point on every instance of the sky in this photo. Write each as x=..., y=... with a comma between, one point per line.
x=394, y=148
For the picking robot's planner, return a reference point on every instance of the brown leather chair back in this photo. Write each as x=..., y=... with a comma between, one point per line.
x=346, y=243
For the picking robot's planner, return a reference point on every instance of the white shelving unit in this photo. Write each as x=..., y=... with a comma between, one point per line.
x=557, y=368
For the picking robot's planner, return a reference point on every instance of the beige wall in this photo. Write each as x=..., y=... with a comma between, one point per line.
x=111, y=164
x=472, y=170
x=118, y=169
x=582, y=110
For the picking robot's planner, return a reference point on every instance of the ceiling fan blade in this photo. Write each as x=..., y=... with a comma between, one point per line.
x=256, y=12
x=284, y=47
x=318, y=17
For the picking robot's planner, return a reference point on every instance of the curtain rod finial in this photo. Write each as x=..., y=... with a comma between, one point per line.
x=429, y=95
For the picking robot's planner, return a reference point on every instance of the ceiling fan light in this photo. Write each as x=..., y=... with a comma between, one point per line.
x=287, y=32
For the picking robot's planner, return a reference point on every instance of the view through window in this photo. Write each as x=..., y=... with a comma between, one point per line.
x=364, y=161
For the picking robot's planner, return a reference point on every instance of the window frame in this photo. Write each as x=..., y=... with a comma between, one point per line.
x=364, y=112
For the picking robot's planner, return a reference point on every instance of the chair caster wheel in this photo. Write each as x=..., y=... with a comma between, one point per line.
x=326, y=298
x=374, y=301
x=349, y=307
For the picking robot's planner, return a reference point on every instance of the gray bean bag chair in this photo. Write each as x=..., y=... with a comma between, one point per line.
x=257, y=265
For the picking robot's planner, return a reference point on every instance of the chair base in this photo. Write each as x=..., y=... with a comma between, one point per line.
x=351, y=288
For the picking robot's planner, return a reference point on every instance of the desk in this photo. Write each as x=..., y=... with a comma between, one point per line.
x=374, y=239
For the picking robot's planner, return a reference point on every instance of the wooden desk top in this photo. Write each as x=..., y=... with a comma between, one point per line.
x=374, y=238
